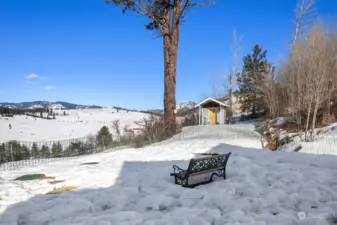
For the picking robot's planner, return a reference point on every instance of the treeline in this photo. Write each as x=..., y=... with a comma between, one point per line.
x=302, y=88
x=36, y=113
x=16, y=151
x=133, y=110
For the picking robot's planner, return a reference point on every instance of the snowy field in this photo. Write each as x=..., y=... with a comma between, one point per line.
x=133, y=186
x=78, y=124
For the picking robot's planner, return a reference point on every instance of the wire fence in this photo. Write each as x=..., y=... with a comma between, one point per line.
x=18, y=154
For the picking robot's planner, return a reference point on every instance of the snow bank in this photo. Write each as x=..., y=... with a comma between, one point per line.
x=325, y=142
x=134, y=187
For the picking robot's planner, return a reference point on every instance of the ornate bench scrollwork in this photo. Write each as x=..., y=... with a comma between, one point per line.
x=201, y=170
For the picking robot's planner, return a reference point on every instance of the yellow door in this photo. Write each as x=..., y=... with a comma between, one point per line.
x=212, y=115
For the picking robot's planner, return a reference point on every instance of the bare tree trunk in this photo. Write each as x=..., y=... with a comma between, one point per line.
x=304, y=11
x=307, y=124
x=169, y=86
x=230, y=97
x=254, y=106
x=170, y=64
x=314, y=122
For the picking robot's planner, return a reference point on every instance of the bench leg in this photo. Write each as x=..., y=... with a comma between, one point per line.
x=180, y=181
x=224, y=173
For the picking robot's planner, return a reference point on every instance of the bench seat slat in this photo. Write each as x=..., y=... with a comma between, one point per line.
x=206, y=171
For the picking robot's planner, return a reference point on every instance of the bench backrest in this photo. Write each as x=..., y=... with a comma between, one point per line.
x=207, y=163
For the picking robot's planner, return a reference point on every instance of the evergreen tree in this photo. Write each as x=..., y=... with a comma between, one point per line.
x=25, y=153
x=3, y=153
x=54, y=116
x=41, y=114
x=56, y=149
x=104, y=137
x=45, y=152
x=35, y=151
x=254, y=67
x=14, y=149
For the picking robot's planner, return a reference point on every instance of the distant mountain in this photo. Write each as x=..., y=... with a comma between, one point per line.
x=155, y=110
x=46, y=104
x=188, y=105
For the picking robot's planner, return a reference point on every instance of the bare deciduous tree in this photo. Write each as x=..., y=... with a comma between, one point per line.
x=305, y=16
x=153, y=129
x=226, y=81
x=268, y=87
x=117, y=128
x=310, y=77
x=233, y=71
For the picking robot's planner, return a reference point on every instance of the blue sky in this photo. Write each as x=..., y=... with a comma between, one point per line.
x=88, y=52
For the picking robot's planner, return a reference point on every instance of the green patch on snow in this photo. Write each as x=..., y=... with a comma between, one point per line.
x=36, y=176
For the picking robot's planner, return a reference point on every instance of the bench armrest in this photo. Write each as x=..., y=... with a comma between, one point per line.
x=176, y=169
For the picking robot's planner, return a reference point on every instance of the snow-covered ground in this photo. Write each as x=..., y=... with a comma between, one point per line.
x=133, y=186
x=77, y=124
x=325, y=142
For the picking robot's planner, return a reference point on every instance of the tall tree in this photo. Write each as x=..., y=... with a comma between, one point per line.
x=35, y=151
x=305, y=18
x=45, y=152
x=254, y=68
x=56, y=149
x=232, y=72
x=165, y=17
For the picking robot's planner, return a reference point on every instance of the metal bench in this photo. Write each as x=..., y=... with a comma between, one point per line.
x=201, y=170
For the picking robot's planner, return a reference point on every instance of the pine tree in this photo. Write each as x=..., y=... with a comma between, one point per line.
x=45, y=153
x=25, y=153
x=35, y=151
x=104, y=136
x=56, y=149
x=54, y=116
x=253, y=71
x=3, y=153
x=14, y=148
x=41, y=114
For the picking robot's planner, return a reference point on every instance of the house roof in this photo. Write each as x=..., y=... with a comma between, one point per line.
x=211, y=100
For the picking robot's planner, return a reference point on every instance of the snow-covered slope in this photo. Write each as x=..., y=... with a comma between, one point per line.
x=325, y=142
x=57, y=106
x=77, y=124
x=185, y=105
x=133, y=186
x=47, y=104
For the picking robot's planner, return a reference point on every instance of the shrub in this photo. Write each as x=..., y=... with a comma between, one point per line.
x=81, y=148
x=154, y=129
x=139, y=141
x=104, y=137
